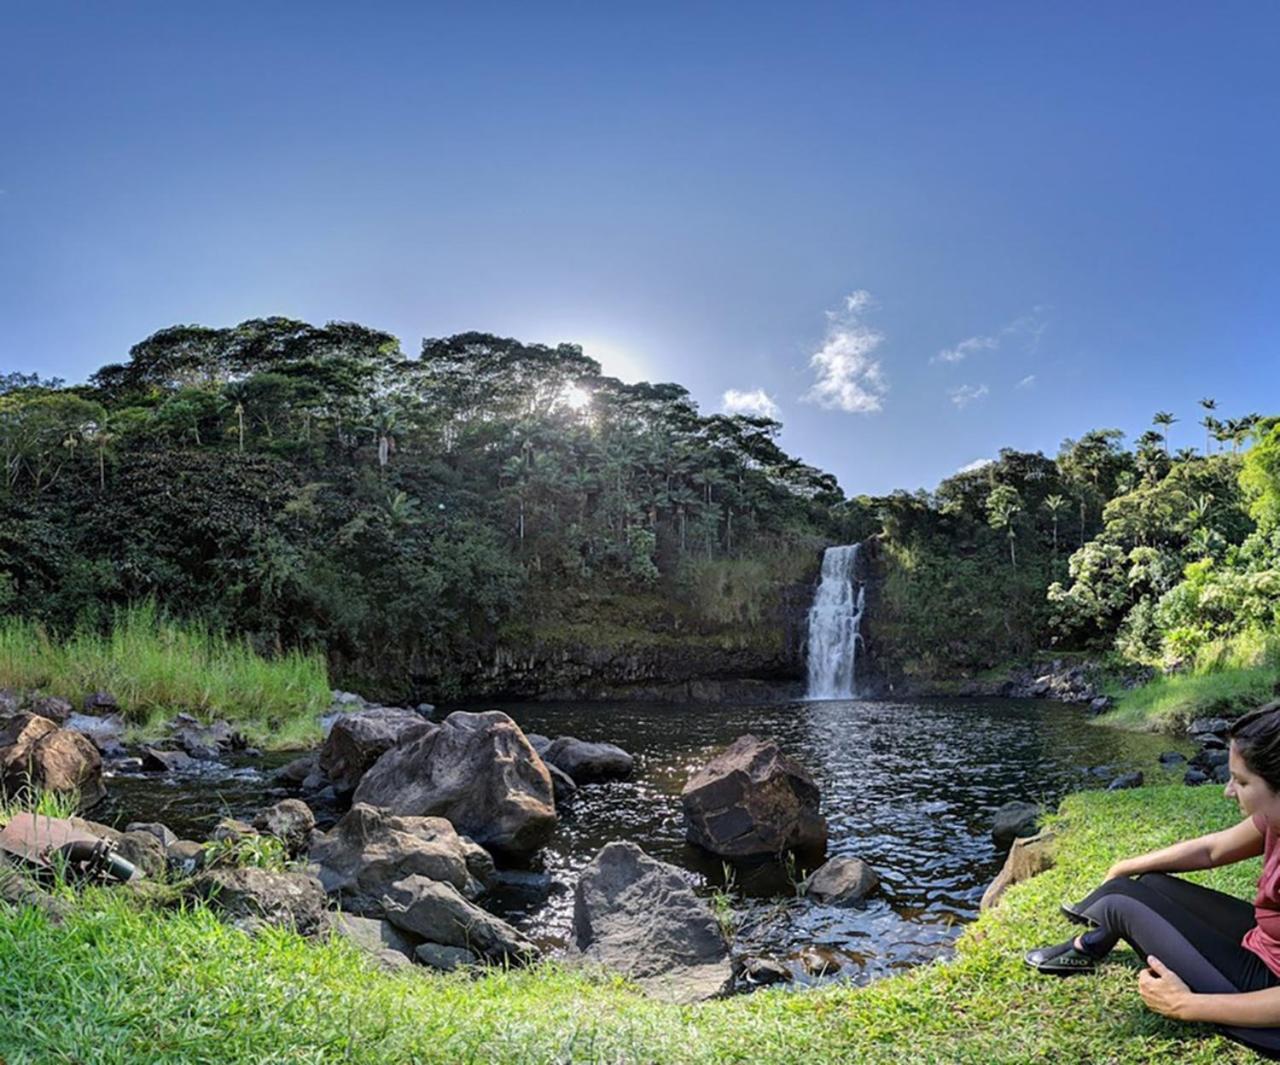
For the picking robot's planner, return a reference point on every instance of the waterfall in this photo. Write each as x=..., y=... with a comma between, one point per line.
x=834, y=621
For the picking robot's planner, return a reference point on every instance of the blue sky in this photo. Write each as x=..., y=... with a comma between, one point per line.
x=993, y=224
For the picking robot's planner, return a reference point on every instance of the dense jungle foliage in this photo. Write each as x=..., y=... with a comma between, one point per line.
x=312, y=486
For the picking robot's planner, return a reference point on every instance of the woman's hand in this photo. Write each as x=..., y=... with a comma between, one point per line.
x=1164, y=991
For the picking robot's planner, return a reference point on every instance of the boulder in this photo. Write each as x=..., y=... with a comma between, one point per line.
x=1211, y=725
x=101, y=703
x=155, y=760
x=1100, y=705
x=52, y=708
x=297, y=771
x=478, y=771
x=1028, y=857
x=163, y=833
x=372, y=936
x=205, y=742
x=1221, y=774
x=365, y=853
x=842, y=882
x=56, y=760
x=290, y=821
x=105, y=732
x=588, y=762
x=356, y=741
x=17, y=734
x=18, y=889
x=1168, y=759
x=434, y=911
x=144, y=852
x=287, y=900
x=185, y=856
x=562, y=784
x=639, y=917
x=538, y=742
x=760, y=972
x=1194, y=777
x=820, y=961
x=1012, y=820
x=753, y=800
x=1126, y=780
x=232, y=830
x=444, y=959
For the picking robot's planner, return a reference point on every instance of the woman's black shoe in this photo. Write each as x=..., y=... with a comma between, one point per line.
x=1075, y=916
x=1062, y=960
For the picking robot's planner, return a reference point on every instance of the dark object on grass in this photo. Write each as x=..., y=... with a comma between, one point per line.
x=51, y=844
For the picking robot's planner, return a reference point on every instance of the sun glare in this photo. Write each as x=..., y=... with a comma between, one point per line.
x=574, y=398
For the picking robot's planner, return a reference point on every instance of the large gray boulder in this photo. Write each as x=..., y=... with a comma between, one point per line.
x=1014, y=820
x=365, y=853
x=587, y=762
x=435, y=911
x=358, y=740
x=478, y=771
x=842, y=882
x=288, y=900
x=639, y=917
x=290, y=821
x=373, y=936
x=44, y=757
x=752, y=799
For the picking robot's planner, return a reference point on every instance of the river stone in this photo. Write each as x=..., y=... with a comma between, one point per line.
x=760, y=972
x=1012, y=820
x=286, y=900
x=163, y=833
x=290, y=821
x=356, y=741
x=18, y=734
x=1211, y=725
x=232, y=830
x=1127, y=780
x=59, y=760
x=1194, y=777
x=371, y=935
x=842, y=882
x=478, y=771
x=105, y=732
x=561, y=783
x=537, y=741
x=753, y=800
x=52, y=708
x=1028, y=857
x=436, y=912
x=100, y=703
x=19, y=890
x=294, y=773
x=444, y=959
x=1168, y=759
x=638, y=916
x=587, y=762
x=820, y=961
x=144, y=852
x=155, y=760
x=365, y=853
x=184, y=856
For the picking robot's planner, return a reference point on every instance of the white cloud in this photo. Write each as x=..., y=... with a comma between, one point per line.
x=848, y=378
x=1027, y=381
x=1028, y=327
x=966, y=394
x=975, y=465
x=757, y=402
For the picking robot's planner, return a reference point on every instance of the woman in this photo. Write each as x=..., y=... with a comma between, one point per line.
x=1211, y=957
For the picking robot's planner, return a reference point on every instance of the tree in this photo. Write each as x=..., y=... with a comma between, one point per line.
x=1003, y=505
x=1164, y=419
x=1208, y=421
x=1054, y=504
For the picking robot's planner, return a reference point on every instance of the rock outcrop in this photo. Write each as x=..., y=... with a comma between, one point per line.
x=478, y=771
x=356, y=741
x=753, y=800
x=638, y=916
x=35, y=753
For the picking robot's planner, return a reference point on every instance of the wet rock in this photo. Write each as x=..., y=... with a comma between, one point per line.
x=293, y=774
x=1100, y=705
x=1209, y=760
x=144, y=852
x=356, y=741
x=106, y=733
x=436, y=912
x=1209, y=725
x=1194, y=777
x=100, y=703
x=842, y=882
x=478, y=771
x=163, y=833
x=820, y=961
x=156, y=760
x=290, y=821
x=126, y=765
x=286, y=900
x=753, y=800
x=561, y=783
x=1028, y=857
x=1127, y=780
x=588, y=762
x=1221, y=774
x=638, y=916
x=57, y=760
x=185, y=856
x=232, y=830
x=204, y=742
x=537, y=741
x=51, y=707
x=1168, y=759
x=11, y=700
x=1210, y=741
x=17, y=734
x=444, y=959
x=761, y=972
x=369, y=850
x=1014, y=819
x=371, y=935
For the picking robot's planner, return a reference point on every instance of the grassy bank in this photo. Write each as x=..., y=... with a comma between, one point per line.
x=1225, y=678
x=116, y=984
x=156, y=667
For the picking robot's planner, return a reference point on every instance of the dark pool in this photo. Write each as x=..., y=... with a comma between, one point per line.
x=910, y=787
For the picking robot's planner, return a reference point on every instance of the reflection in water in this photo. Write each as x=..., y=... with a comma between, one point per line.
x=908, y=787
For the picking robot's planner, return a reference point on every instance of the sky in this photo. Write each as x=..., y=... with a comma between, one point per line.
x=913, y=232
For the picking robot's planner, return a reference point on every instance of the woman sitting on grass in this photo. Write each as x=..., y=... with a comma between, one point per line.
x=1211, y=957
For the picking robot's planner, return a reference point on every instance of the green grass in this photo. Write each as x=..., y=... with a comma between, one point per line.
x=117, y=984
x=156, y=667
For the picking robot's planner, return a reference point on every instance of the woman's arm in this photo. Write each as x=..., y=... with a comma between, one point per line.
x=1165, y=992
x=1218, y=848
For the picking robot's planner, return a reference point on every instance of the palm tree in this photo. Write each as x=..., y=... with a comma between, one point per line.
x=1186, y=454
x=1054, y=505
x=1208, y=421
x=1003, y=505
x=1164, y=419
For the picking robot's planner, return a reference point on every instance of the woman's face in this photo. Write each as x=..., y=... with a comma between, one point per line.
x=1249, y=790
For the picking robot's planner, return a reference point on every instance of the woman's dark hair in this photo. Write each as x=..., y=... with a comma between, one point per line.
x=1257, y=739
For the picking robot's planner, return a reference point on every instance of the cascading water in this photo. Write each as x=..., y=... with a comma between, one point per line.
x=834, y=622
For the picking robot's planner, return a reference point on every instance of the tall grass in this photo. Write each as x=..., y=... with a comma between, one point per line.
x=1227, y=677
x=156, y=666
